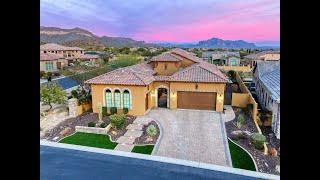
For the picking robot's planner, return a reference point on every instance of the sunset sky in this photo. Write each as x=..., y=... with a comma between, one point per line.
x=167, y=20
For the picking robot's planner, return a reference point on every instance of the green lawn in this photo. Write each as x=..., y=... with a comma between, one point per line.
x=92, y=140
x=240, y=158
x=147, y=149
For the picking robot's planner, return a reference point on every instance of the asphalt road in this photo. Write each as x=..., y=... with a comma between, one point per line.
x=60, y=163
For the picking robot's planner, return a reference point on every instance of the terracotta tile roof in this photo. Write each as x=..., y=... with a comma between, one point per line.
x=199, y=72
x=143, y=74
x=185, y=54
x=167, y=57
x=57, y=47
x=140, y=74
x=49, y=57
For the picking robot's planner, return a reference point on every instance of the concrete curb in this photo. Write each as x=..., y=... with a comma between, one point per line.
x=225, y=142
x=161, y=159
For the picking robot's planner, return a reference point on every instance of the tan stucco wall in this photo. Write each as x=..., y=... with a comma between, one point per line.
x=240, y=99
x=186, y=62
x=138, y=94
x=172, y=67
x=271, y=57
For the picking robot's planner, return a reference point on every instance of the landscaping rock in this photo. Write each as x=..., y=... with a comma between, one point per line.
x=114, y=133
x=65, y=132
x=273, y=152
x=149, y=139
x=238, y=134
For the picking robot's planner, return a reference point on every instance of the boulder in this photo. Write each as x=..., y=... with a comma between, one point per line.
x=65, y=132
x=238, y=135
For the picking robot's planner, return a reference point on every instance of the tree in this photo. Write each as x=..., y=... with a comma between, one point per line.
x=123, y=61
x=52, y=93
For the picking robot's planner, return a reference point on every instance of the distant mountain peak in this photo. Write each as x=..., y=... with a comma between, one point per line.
x=84, y=38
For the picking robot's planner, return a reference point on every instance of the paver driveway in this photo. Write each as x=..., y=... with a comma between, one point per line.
x=191, y=135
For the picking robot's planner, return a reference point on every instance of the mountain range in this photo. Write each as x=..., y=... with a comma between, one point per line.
x=83, y=38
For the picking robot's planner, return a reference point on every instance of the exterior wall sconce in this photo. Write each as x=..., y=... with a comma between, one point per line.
x=220, y=98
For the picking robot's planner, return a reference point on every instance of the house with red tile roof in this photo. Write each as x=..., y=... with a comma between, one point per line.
x=176, y=79
x=51, y=62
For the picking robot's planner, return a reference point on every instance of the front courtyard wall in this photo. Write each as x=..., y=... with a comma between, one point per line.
x=202, y=87
x=137, y=93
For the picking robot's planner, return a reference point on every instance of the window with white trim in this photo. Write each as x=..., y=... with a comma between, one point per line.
x=108, y=97
x=126, y=99
x=49, y=66
x=117, y=99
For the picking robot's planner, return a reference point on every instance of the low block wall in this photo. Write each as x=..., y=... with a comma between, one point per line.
x=83, y=108
x=92, y=130
x=240, y=99
x=236, y=68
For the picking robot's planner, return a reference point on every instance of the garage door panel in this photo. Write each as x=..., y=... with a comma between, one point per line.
x=196, y=100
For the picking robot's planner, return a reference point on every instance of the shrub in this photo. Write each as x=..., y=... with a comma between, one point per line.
x=113, y=110
x=117, y=120
x=249, y=108
x=56, y=74
x=103, y=125
x=91, y=124
x=258, y=140
x=74, y=93
x=240, y=121
x=151, y=130
x=125, y=110
x=42, y=73
x=104, y=111
x=49, y=74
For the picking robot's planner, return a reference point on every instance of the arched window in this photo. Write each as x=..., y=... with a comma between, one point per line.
x=126, y=99
x=117, y=102
x=108, y=98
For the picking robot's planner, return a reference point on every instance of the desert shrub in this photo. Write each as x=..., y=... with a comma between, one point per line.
x=249, y=108
x=240, y=121
x=258, y=140
x=74, y=93
x=104, y=111
x=125, y=110
x=113, y=110
x=42, y=73
x=103, y=125
x=151, y=130
x=232, y=74
x=49, y=74
x=117, y=120
x=56, y=74
x=91, y=124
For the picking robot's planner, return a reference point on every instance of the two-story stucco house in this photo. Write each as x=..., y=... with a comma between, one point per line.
x=174, y=79
x=66, y=56
x=266, y=76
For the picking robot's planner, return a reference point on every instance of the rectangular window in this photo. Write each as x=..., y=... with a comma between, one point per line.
x=49, y=66
x=126, y=100
x=117, y=98
x=108, y=99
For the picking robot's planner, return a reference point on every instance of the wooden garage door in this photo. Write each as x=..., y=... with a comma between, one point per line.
x=197, y=100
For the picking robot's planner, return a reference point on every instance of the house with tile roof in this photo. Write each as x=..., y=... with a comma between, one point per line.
x=266, y=76
x=67, y=55
x=51, y=62
x=174, y=79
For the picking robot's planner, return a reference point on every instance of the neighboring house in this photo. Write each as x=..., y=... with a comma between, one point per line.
x=174, y=79
x=263, y=56
x=70, y=54
x=63, y=51
x=225, y=58
x=207, y=55
x=51, y=62
x=266, y=76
